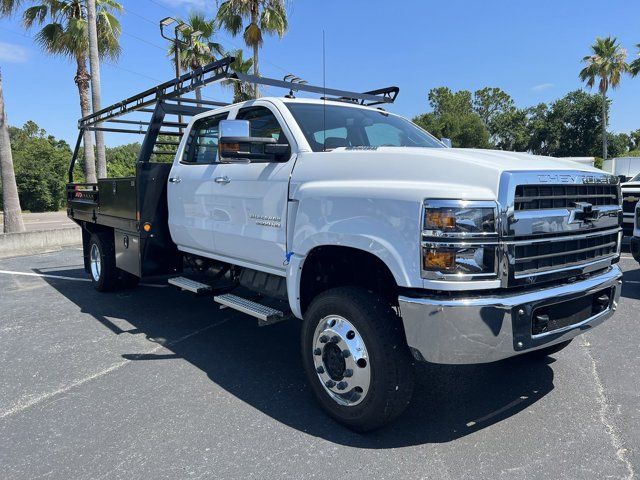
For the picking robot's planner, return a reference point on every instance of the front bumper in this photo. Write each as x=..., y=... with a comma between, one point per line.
x=479, y=329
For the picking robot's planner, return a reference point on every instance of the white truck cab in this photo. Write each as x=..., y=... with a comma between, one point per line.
x=389, y=246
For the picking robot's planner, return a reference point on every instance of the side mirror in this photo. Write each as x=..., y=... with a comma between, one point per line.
x=447, y=142
x=235, y=145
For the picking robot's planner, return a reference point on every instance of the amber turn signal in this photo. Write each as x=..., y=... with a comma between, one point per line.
x=439, y=260
x=440, y=220
x=146, y=227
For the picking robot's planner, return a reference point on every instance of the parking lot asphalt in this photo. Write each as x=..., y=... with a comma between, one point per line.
x=153, y=383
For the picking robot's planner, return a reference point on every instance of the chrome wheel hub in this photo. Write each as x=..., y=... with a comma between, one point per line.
x=341, y=360
x=95, y=262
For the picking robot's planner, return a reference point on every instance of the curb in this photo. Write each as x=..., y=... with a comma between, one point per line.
x=41, y=241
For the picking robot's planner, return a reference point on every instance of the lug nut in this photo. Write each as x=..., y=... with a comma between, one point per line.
x=324, y=339
x=320, y=369
x=346, y=353
x=348, y=373
x=330, y=384
x=317, y=351
x=342, y=385
x=335, y=339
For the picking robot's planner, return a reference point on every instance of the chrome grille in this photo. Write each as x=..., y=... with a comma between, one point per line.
x=629, y=201
x=540, y=256
x=540, y=197
x=557, y=225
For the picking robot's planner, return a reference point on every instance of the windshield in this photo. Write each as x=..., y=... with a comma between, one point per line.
x=332, y=126
x=636, y=178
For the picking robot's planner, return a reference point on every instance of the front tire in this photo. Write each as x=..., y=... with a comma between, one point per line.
x=356, y=358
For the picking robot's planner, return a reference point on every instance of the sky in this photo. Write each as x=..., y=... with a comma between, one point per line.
x=531, y=49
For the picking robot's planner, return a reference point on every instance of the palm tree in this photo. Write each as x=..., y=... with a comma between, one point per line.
x=200, y=48
x=606, y=63
x=635, y=65
x=264, y=16
x=64, y=33
x=10, y=200
x=242, y=91
x=94, y=64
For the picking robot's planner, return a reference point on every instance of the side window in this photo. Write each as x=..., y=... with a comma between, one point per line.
x=263, y=123
x=202, y=146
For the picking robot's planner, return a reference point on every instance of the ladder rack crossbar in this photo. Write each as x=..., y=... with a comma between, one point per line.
x=175, y=89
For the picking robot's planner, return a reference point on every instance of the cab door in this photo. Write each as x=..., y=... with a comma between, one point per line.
x=252, y=198
x=191, y=190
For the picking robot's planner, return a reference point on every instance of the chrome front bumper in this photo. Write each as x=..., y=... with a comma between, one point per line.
x=479, y=329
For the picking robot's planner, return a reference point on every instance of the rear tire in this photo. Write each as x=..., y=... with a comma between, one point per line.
x=102, y=262
x=545, y=352
x=105, y=276
x=356, y=358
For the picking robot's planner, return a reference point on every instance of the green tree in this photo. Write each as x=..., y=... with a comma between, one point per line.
x=635, y=139
x=453, y=117
x=491, y=102
x=606, y=64
x=507, y=125
x=635, y=65
x=121, y=160
x=41, y=162
x=618, y=144
x=263, y=17
x=509, y=130
x=569, y=127
x=241, y=90
x=201, y=48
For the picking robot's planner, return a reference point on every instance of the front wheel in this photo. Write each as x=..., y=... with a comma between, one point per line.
x=356, y=358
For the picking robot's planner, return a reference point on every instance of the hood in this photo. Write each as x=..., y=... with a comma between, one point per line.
x=472, y=174
x=630, y=185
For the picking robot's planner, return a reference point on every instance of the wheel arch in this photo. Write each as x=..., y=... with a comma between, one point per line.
x=329, y=266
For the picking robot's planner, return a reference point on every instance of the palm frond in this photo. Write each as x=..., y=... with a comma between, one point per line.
x=8, y=7
x=253, y=35
x=230, y=16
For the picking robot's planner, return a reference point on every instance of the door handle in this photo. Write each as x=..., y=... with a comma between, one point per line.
x=223, y=180
x=175, y=180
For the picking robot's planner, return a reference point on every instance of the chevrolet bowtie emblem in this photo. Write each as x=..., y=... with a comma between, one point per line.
x=631, y=199
x=583, y=212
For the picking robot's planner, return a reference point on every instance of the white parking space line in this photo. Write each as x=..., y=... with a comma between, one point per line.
x=62, y=277
x=26, y=403
x=44, y=275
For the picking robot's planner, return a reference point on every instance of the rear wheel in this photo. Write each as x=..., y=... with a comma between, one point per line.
x=105, y=276
x=356, y=358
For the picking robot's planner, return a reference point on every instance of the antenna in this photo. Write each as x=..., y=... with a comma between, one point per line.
x=324, y=97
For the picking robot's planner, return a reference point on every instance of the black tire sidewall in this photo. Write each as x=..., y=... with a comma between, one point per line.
x=108, y=273
x=381, y=347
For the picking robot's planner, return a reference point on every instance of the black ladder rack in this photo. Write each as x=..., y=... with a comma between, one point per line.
x=168, y=98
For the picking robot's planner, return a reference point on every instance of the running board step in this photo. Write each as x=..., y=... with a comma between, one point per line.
x=189, y=285
x=266, y=315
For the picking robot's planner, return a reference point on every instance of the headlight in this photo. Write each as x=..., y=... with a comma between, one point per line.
x=459, y=239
